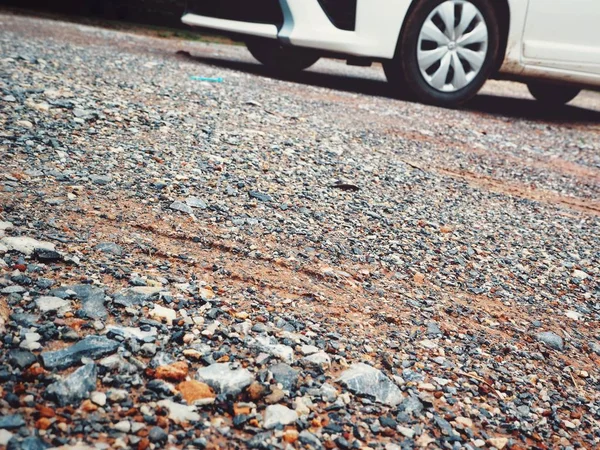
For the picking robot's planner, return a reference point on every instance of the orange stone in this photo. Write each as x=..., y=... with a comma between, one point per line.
x=256, y=391
x=194, y=390
x=446, y=229
x=162, y=421
x=43, y=423
x=143, y=444
x=88, y=406
x=45, y=411
x=241, y=409
x=290, y=436
x=419, y=278
x=174, y=372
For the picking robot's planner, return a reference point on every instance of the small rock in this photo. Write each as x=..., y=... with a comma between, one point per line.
x=464, y=421
x=98, y=398
x=157, y=435
x=173, y=372
x=309, y=439
x=91, y=298
x=101, y=180
x=196, y=392
x=47, y=303
x=179, y=413
x=110, y=248
x=117, y=395
x=285, y=375
x=11, y=421
x=363, y=379
x=47, y=256
x=13, y=290
x=92, y=347
x=498, y=442
x=5, y=436
x=580, y=274
x=308, y=349
x=433, y=329
x=406, y=432
x=419, y=278
x=76, y=387
x=270, y=346
x=278, y=415
x=260, y=196
x=136, y=295
x=319, y=359
x=123, y=426
x=21, y=358
x=132, y=333
x=256, y=391
x=225, y=380
x=196, y=202
x=275, y=396
x=551, y=339
x=181, y=207
x=26, y=245
x=160, y=312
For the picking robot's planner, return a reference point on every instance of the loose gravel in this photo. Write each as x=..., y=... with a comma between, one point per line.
x=286, y=263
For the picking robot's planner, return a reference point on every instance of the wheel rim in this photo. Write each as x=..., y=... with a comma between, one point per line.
x=452, y=46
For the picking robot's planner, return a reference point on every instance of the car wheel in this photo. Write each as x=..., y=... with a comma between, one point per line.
x=552, y=94
x=279, y=58
x=447, y=50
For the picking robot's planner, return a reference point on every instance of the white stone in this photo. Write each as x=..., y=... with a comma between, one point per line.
x=308, y=349
x=5, y=436
x=161, y=312
x=117, y=395
x=580, y=274
x=179, y=413
x=406, y=432
x=26, y=245
x=365, y=380
x=132, y=332
x=317, y=359
x=123, y=426
x=225, y=380
x=48, y=303
x=428, y=344
x=464, y=421
x=5, y=225
x=283, y=352
x=99, y=398
x=301, y=406
x=278, y=415
x=498, y=442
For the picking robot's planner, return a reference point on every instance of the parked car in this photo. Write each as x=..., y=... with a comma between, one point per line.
x=442, y=50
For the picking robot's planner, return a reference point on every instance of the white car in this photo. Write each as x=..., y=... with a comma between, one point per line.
x=441, y=50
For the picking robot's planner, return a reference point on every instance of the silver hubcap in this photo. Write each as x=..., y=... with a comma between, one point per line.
x=452, y=45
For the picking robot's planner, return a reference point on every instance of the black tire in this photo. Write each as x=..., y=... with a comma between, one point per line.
x=403, y=71
x=552, y=94
x=279, y=58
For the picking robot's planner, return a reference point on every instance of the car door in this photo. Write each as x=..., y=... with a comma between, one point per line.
x=563, y=34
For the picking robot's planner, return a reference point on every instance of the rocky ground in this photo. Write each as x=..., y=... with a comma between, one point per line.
x=299, y=263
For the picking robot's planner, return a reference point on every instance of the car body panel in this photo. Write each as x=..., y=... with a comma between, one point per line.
x=563, y=34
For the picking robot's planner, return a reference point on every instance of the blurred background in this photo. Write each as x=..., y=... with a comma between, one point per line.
x=150, y=12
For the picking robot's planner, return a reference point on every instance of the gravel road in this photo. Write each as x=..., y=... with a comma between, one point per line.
x=286, y=263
